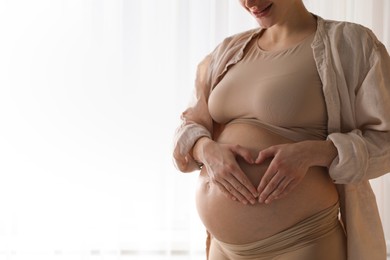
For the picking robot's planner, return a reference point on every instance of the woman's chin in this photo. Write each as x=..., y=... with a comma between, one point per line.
x=263, y=23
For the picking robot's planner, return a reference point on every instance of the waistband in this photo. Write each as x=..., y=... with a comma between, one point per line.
x=301, y=234
x=293, y=133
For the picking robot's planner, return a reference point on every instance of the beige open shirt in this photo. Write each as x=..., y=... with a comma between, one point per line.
x=354, y=68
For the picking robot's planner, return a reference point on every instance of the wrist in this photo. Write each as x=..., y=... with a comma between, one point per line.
x=198, y=149
x=331, y=153
x=324, y=153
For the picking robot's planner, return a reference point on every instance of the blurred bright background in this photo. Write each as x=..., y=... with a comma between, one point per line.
x=90, y=96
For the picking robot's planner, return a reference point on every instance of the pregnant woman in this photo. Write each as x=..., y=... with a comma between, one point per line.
x=288, y=124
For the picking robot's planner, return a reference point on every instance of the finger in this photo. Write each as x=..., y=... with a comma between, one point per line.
x=244, y=153
x=241, y=189
x=232, y=192
x=265, y=154
x=268, y=175
x=270, y=187
x=225, y=191
x=280, y=189
x=243, y=180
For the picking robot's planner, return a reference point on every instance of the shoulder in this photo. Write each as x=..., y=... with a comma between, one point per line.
x=230, y=50
x=234, y=43
x=352, y=34
x=241, y=36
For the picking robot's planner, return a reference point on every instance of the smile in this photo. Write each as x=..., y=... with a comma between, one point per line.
x=263, y=11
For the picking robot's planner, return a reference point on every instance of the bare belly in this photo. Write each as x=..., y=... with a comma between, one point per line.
x=233, y=222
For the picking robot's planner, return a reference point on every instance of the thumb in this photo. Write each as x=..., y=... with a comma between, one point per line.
x=243, y=152
x=265, y=154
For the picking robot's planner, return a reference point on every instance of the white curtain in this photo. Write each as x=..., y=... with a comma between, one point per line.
x=90, y=95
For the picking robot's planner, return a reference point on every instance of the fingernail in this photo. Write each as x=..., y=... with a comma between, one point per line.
x=245, y=202
x=261, y=199
x=253, y=202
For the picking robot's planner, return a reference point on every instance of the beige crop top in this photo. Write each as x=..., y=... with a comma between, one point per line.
x=277, y=90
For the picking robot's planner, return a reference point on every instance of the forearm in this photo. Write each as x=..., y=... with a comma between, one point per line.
x=322, y=153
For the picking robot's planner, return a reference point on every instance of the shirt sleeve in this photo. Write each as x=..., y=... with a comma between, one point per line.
x=364, y=153
x=196, y=121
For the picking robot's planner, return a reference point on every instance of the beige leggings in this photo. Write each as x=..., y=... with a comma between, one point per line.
x=319, y=237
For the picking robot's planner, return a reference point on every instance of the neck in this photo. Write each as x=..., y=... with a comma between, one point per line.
x=296, y=21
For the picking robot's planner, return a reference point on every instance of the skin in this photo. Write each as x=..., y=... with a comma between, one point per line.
x=286, y=23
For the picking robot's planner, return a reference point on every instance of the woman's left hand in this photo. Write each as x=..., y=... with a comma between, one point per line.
x=289, y=165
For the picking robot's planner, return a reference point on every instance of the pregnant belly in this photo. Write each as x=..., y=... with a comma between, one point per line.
x=233, y=222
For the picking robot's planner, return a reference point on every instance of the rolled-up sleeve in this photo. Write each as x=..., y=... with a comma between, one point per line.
x=196, y=121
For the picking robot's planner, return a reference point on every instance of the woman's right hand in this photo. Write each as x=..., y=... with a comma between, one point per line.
x=223, y=169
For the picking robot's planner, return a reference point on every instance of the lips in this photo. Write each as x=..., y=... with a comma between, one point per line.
x=266, y=7
x=259, y=12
